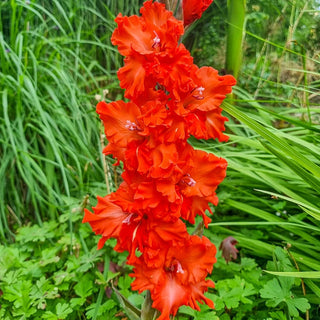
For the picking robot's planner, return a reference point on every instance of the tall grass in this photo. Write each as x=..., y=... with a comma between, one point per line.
x=54, y=58
x=271, y=194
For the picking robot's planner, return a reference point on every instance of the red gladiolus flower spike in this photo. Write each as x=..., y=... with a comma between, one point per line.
x=166, y=182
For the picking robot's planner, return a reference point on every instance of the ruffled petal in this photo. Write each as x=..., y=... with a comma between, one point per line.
x=196, y=259
x=211, y=90
x=207, y=172
x=106, y=220
x=120, y=120
x=155, y=31
x=193, y=9
x=193, y=206
x=197, y=294
x=134, y=75
x=131, y=34
x=162, y=22
x=207, y=125
x=179, y=278
x=169, y=297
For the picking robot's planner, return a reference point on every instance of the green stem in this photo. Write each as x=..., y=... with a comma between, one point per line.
x=236, y=19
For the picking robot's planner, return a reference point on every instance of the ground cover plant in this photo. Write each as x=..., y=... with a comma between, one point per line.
x=54, y=59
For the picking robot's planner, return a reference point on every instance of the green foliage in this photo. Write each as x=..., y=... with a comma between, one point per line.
x=270, y=196
x=54, y=59
x=49, y=274
x=279, y=290
x=243, y=289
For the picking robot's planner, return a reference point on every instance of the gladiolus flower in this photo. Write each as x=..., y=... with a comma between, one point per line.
x=180, y=279
x=166, y=182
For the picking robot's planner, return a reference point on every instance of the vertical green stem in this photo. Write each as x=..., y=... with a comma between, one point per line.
x=13, y=24
x=236, y=19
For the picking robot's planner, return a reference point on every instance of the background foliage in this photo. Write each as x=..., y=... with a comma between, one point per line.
x=55, y=58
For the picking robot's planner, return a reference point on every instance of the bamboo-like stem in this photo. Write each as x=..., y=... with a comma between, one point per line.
x=236, y=22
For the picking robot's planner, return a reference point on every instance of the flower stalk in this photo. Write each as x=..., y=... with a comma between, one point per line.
x=235, y=33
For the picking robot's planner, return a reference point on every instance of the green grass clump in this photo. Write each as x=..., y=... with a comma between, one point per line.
x=54, y=60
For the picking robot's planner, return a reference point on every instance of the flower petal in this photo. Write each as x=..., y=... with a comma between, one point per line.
x=120, y=121
x=106, y=220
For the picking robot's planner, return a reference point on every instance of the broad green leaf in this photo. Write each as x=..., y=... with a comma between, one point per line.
x=63, y=310
x=84, y=287
x=273, y=292
x=297, y=303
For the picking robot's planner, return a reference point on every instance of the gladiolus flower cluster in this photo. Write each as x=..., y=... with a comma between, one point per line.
x=166, y=182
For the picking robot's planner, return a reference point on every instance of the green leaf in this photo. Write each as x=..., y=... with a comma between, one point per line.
x=300, y=274
x=187, y=310
x=275, y=140
x=84, y=287
x=124, y=282
x=313, y=287
x=63, y=310
x=297, y=303
x=233, y=291
x=49, y=316
x=49, y=256
x=132, y=312
x=37, y=233
x=279, y=292
x=211, y=315
x=92, y=310
x=75, y=302
x=279, y=315
x=88, y=260
x=274, y=293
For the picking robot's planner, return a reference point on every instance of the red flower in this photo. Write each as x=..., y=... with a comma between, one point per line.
x=171, y=71
x=180, y=279
x=201, y=105
x=162, y=160
x=211, y=90
x=141, y=232
x=207, y=125
x=206, y=173
x=155, y=31
x=193, y=9
x=202, y=175
x=106, y=220
x=153, y=56
x=121, y=122
x=135, y=76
